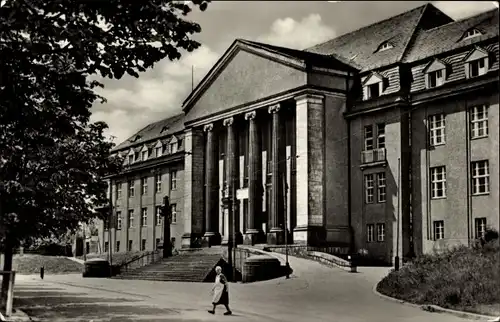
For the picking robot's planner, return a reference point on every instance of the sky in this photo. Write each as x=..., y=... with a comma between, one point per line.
x=132, y=103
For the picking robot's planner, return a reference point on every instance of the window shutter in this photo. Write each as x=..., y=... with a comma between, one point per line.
x=426, y=77
x=467, y=69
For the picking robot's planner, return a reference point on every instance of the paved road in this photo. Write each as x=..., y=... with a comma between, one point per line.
x=313, y=293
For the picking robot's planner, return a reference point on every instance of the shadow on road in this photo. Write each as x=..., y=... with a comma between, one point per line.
x=51, y=304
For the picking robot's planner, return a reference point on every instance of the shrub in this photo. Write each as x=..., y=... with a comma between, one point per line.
x=458, y=278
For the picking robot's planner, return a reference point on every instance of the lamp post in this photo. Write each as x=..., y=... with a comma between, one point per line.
x=110, y=244
x=167, y=218
x=396, y=259
x=285, y=189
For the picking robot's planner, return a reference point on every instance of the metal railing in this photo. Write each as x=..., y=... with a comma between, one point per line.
x=141, y=261
x=372, y=156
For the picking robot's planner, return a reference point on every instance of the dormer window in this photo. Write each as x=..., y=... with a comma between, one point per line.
x=164, y=129
x=384, y=46
x=435, y=73
x=471, y=33
x=158, y=149
x=373, y=86
x=373, y=91
x=130, y=156
x=144, y=155
x=135, y=138
x=476, y=63
x=173, y=145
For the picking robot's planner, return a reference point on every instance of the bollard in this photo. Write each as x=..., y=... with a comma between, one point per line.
x=41, y=272
x=352, y=267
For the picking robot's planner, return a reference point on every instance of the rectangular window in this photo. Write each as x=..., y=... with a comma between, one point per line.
x=368, y=137
x=158, y=151
x=380, y=232
x=435, y=78
x=106, y=223
x=117, y=246
x=118, y=190
x=130, y=244
x=158, y=215
x=437, y=129
x=144, y=217
x=480, y=227
x=130, y=158
x=369, y=188
x=370, y=233
x=144, y=186
x=381, y=135
x=143, y=244
x=158, y=183
x=131, y=188
x=179, y=144
x=480, y=177
x=373, y=90
x=119, y=220
x=173, y=147
x=173, y=180
x=144, y=155
x=479, y=122
x=438, y=182
x=158, y=241
x=131, y=218
x=173, y=209
x=381, y=187
x=438, y=229
x=106, y=247
x=477, y=67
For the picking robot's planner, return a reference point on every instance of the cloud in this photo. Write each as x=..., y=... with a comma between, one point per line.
x=301, y=34
x=464, y=9
x=132, y=103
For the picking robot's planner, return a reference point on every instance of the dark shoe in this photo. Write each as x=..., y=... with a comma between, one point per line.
x=211, y=312
x=228, y=313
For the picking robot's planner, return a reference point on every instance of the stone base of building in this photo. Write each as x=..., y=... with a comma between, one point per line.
x=309, y=235
x=210, y=239
x=238, y=237
x=276, y=237
x=338, y=235
x=253, y=237
x=191, y=240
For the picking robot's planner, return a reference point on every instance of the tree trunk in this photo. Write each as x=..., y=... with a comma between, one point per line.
x=7, y=266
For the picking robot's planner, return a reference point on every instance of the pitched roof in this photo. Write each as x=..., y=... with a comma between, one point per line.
x=329, y=61
x=297, y=56
x=360, y=46
x=448, y=37
x=153, y=131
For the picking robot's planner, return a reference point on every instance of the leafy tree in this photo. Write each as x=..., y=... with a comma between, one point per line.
x=52, y=158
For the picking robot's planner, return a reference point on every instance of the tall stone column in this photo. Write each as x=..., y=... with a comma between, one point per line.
x=211, y=190
x=255, y=189
x=230, y=202
x=275, y=235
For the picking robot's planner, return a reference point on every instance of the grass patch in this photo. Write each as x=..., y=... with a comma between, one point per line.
x=462, y=279
x=30, y=264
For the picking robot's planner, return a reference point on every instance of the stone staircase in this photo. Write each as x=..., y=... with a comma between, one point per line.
x=188, y=266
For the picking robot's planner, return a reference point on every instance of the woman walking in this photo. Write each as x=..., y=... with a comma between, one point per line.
x=220, y=292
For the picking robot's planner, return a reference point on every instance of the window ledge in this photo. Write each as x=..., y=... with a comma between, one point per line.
x=438, y=144
x=438, y=198
x=481, y=194
x=479, y=137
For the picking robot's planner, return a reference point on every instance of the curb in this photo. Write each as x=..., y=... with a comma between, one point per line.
x=435, y=308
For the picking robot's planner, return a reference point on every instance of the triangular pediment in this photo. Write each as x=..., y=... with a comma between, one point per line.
x=158, y=144
x=374, y=78
x=248, y=72
x=173, y=139
x=433, y=66
x=475, y=54
x=131, y=152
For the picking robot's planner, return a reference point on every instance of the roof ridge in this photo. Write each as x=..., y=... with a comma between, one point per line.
x=462, y=19
x=373, y=24
x=414, y=32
